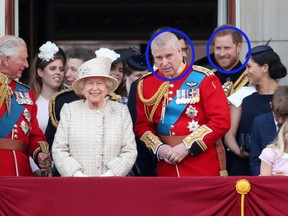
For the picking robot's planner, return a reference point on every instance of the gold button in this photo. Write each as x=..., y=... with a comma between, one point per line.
x=15, y=136
x=170, y=92
x=172, y=126
x=170, y=98
x=171, y=85
x=173, y=133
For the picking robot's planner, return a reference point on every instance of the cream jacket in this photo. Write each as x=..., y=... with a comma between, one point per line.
x=94, y=142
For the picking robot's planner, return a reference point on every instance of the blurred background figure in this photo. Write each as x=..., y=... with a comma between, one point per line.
x=136, y=68
x=75, y=57
x=185, y=47
x=117, y=71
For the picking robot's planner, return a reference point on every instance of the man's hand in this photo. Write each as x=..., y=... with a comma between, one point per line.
x=164, y=152
x=243, y=153
x=179, y=152
x=43, y=159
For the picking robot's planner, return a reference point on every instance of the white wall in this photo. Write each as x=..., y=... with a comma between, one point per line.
x=265, y=19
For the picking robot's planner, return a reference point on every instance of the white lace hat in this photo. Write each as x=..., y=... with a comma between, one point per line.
x=97, y=67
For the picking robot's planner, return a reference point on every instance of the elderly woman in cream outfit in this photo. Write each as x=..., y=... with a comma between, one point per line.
x=95, y=135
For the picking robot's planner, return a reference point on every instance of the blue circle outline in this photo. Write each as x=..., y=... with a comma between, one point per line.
x=247, y=56
x=149, y=45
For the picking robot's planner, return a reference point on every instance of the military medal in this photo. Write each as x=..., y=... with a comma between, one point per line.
x=195, y=95
x=178, y=96
x=25, y=128
x=27, y=114
x=187, y=97
x=191, y=112
x=183, y=96
x=228, y=87
x=28, y=99
x=192, y=125
x=23, y=97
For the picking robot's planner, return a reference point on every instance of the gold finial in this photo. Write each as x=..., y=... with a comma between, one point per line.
x=242, y=187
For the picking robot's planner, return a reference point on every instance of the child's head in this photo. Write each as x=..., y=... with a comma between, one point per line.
x=282, y=139
x=280, y=104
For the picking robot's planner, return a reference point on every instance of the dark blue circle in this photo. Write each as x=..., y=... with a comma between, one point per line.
x=147, y=54
x=247, y=57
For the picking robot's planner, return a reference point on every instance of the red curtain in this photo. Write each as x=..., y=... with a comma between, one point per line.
x=141, y=196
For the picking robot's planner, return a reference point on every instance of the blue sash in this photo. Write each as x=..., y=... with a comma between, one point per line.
x=7, y=123
x=173, y=111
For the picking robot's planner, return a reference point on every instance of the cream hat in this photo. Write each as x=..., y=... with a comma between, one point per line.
x=97, y=67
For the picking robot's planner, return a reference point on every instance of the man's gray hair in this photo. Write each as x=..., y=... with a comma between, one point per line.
x=162, y=39
x=9, y=45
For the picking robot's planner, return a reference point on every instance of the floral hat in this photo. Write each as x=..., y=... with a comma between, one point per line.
x=97, y=67
x=48, y=51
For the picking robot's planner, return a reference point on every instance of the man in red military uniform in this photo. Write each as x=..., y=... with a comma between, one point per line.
x=20, y=135
x=181, y=120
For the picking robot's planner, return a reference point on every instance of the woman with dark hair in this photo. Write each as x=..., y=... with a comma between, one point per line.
x=118, y=72
x=264, y=69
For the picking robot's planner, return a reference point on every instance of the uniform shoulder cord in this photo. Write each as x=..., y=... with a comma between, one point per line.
x=155, y=100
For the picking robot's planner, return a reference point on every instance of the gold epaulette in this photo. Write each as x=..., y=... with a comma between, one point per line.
x=204, y=70
x=194, y=141
x=152, y=141
x=51, y=107
x=114, y=97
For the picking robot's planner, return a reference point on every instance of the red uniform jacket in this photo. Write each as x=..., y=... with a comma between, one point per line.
x=24, y=127
x=212, y=110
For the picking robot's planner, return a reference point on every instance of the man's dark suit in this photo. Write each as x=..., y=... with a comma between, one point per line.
x=57, y=101
x=263, y=133
x=145, y=160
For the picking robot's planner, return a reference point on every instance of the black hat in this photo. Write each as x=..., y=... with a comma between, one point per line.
x=137, y=62
x=124, y=54
x=260, y=49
